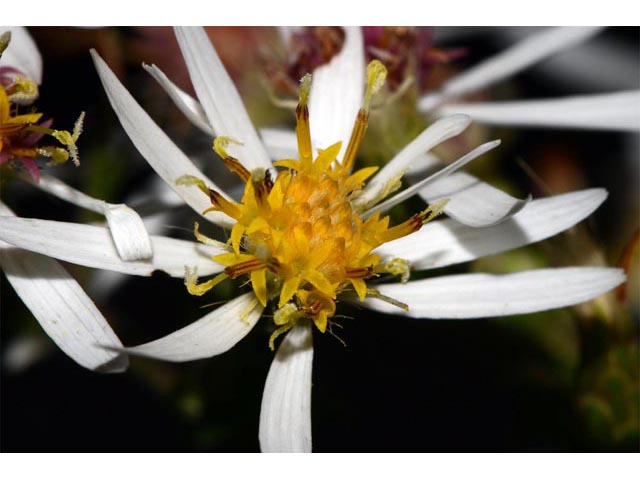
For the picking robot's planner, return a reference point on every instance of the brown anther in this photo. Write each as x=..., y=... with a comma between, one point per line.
x=236, y=167
x=357, y=135
x=268, y=181
x=313, y=308
x=359, y=272
x=234, y=271
x=274, y=265
x=216, y=198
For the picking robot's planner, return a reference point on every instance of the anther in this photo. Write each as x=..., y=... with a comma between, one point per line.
x=234, y=271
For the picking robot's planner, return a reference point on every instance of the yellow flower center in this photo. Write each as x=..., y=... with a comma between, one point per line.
x=299, y=237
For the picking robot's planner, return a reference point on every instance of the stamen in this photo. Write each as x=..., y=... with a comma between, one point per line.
x=262, y=184
x=204, y=239
x=219, y=145
x=278, y=332
x=234, y=271
x=303, y=130
x=22, y=91
x=373, y=293
x=398, y=267
x=359, y=272
x=376, y=75
x=191, y=282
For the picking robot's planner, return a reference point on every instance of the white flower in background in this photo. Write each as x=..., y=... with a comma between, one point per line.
x=57, y=301
x=314, y=234
x=607, y=111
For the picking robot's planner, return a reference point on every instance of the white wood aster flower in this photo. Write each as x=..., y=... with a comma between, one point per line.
x=280, y=228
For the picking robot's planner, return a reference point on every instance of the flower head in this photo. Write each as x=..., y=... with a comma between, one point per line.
x=300, y=238
x=21, y=132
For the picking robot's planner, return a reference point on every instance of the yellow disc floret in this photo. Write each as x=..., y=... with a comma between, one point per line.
x=297, y=236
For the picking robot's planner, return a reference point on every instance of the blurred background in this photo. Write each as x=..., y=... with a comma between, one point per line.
x=565, y=380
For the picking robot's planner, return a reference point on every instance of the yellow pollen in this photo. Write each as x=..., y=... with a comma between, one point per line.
x=297, y=237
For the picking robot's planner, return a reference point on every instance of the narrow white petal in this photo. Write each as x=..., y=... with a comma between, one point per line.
x=219, y=97
x=22, y=54
x=127, y=229
x=285, y=415
x=436, y=133
x=213, y=334
x=280, y=143
x=188, y=105
x=337, y=91
x=129, y=233
x=437, y=177
x=92, y=246
x=609, y=111
x=472, y=201
x=529, y=51
x=447, y=242
x=154, y=145
x=600, y=65
x=481, y=295
x=61, y=306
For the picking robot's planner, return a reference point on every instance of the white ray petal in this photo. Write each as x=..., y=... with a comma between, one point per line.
x=127, y=229
x=162, y=154
x=220, y=98
x=609, y=111
x=285, y=415
x=61, y=306
x=481, y=295
x=439, y=176
x=439, y=131
x=213, y=334
x=472, y=201
x=447, y=242
x=337, y=91
x=188, y=105
x=22, y=54
x=529, y=51
x=280, y=143
x=91, y=246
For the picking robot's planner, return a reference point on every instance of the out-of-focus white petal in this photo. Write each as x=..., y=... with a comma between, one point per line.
x=91, y=246
x=154, y=145
x=127, y=229
x=24, y=351
x=436, y=178
x=220, y=98
x=61, y=306
x=602, y=64
x=22, y=54
x=213, y=334
x=188, y=105
x=285, y=415
x=436, y=133
x=337, y=90
x=609, y=111
x=472, y=201
x=529, y=51
x=280, y=143
x=447, y=242
x=481, y=295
